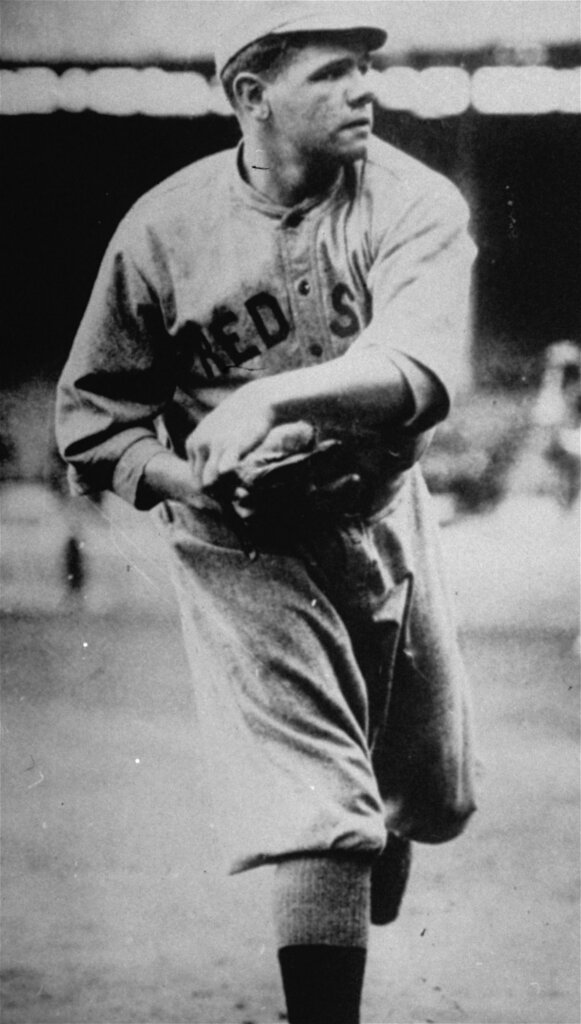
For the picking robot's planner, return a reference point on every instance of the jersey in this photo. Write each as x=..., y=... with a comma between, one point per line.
x=208, y=284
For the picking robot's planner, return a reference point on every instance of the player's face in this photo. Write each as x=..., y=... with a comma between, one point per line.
x=321, y=105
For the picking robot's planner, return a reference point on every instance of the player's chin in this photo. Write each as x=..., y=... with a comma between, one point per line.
x=356, y=150
x=342, y=149
x=353, y=145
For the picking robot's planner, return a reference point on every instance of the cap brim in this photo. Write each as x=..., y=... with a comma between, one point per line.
x=280, y=22
x=373, y=36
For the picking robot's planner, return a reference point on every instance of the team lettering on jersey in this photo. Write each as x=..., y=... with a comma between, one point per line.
x=220, y=346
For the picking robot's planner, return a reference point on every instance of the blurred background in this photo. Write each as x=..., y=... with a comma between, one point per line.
x=114, y=904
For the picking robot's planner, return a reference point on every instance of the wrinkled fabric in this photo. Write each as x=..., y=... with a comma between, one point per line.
x=208, y=284
x=295, y=658
x=331, y=699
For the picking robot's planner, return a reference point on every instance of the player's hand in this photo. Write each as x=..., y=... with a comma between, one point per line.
x=225, y=435
x=340, y=494
x=290, y=472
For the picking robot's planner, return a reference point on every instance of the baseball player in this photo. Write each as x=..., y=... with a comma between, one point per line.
x=273, y=334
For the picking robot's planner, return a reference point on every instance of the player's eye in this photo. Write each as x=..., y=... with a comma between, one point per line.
x=340, y=69
x=332, y=72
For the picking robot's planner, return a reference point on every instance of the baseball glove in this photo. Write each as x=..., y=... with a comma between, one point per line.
x=291, y=470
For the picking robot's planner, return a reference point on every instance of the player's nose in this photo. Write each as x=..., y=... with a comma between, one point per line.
x=361, y=90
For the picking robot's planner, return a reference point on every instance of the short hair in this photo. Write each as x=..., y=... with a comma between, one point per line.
x=267, y=57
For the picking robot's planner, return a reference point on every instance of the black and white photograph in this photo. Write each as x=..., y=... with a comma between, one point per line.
x=290, y=464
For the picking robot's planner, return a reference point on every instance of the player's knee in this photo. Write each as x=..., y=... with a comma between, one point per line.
x=449, y=823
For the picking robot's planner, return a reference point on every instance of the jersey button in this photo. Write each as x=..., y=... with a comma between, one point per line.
x=316, y=350
x=304, y=287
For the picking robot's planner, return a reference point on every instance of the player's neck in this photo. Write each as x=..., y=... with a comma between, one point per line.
x=285, y=179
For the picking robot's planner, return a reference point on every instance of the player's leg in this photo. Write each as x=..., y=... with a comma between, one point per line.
x=282, y=710
x=389, y=878
x=321, y=916
x=281, y=704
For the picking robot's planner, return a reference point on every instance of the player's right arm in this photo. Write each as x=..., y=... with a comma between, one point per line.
x=118, y=378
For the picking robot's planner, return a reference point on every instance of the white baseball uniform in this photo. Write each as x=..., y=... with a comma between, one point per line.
x=331, y=696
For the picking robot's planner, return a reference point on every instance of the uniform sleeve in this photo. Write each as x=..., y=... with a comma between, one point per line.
x=420, y=287
x=117, y=380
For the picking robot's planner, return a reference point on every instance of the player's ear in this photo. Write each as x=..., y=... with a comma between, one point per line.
x=249, y=93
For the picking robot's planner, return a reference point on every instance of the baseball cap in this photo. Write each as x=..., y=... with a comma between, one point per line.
x=279, y=17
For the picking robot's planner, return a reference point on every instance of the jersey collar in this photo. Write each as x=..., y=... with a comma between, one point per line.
x=258, y=201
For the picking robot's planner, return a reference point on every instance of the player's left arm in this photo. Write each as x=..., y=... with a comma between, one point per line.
x=420, y=283
x=372, y=390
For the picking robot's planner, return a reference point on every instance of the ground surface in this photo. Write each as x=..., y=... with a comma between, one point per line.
x=115, y=906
